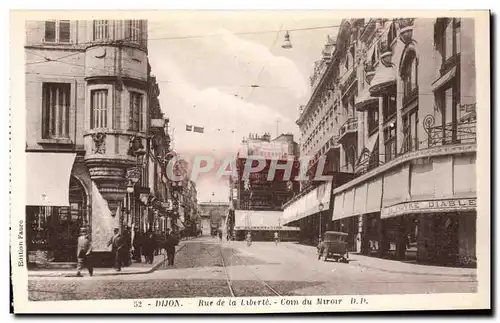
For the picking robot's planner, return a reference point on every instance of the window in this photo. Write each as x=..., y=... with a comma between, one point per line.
x=450, y=42
x=390, y=142
x=55, y=111
x=448, y=106
x=389, y=107
x=134, y=30
x=136, y=111
x=410, y=81
x=372, y=120
x=410, y=131
x=57, y=31
x=101, y=30
x=99, y=109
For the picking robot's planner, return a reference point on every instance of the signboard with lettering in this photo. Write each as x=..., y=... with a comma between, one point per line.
x=429, y=206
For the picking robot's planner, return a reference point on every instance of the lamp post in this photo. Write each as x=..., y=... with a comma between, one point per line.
x=130, y=190
x=320, y=208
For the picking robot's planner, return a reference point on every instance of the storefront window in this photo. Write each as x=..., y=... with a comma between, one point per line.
x=53, y=230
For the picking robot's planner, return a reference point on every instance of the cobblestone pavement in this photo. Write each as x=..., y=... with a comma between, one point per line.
x=199, y=272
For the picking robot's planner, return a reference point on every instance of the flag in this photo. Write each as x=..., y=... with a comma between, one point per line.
x=189, y=128
x=198, y=129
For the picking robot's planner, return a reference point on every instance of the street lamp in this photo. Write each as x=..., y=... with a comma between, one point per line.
x=130, y=190
x=320, y=208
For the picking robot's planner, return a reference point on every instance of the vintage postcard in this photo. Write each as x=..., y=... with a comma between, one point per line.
x=250, y=161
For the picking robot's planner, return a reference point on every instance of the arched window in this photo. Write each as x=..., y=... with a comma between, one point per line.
x=410, y=75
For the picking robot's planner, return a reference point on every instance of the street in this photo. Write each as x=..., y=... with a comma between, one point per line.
x=204, y=268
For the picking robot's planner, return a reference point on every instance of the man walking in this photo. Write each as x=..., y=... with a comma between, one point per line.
x=116, y=243
x=83, y=251
x=137, y=245
x=170, y=243
x=127, y=245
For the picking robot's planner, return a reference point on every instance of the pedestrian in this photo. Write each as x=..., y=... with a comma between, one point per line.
x=249, y=239
x=137, y=245
x=127, y=246
x=320, y=247
x=276, y=237
x=170, y=243
x=149, y=247
x=116, y=243
x=220, y=235
x=83, y=253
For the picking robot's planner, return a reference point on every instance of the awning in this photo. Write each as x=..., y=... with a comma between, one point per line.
x=308, y=204
x=374, y=195
x=444, y=79
x=260, y=220
x=396, y=186
x=364, y=100
x=348, y=204
x=338, y=206
x=360, y=194
x=383, y=82
x=47, y=178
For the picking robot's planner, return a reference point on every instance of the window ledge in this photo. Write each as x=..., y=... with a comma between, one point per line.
x=58, y=141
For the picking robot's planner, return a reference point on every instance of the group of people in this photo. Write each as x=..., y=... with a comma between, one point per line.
x=125, y=249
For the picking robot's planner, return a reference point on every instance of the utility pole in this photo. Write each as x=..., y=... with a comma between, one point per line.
x=277, y=128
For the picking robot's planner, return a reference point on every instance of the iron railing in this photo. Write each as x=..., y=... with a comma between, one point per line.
x=451, y=133
x=350, y=125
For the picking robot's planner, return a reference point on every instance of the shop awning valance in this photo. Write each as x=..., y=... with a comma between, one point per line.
x=360, y=195
x=383, y=82
x=47, y=178
x=308, y=204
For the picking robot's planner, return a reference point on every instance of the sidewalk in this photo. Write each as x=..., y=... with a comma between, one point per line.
x=135, y=268
x=393, y=266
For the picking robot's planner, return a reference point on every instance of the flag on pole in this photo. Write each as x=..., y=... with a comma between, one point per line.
x=198, y=129
x=189, y=128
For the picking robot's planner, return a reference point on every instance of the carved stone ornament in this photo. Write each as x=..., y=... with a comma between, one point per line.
x=135, y=146
x=99, y=140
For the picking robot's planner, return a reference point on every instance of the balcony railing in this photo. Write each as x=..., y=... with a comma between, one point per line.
x=451, y=133
x=351, y=125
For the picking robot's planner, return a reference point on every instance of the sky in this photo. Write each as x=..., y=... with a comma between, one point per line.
x=206, y=81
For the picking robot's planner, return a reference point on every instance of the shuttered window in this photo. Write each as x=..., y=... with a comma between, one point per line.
x=99, y=109
x=136, y=111
x=56, y=103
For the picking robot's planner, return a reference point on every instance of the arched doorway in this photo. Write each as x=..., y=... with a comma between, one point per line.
x=52, y=231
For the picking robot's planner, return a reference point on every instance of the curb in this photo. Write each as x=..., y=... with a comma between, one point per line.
x=119, y=273
x=474, y=275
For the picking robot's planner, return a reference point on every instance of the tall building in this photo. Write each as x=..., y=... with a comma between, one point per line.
x=256, y=202
x=394, y=105
x=89, y=92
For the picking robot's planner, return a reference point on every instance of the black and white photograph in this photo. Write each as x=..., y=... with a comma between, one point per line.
x=239, y=161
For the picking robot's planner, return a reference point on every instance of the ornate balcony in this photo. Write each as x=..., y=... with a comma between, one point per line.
x=348, y=130
x=460, y=132
x=347, y=81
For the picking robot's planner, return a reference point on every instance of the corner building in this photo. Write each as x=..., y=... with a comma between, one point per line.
x=399, y=109
x=88, y=122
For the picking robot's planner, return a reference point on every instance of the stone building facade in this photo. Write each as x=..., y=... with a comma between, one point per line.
x=88, y=95
x=394, y=107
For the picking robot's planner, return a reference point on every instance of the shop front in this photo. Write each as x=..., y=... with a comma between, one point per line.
x=262, y=225
x=443, y=231
x=57, y=206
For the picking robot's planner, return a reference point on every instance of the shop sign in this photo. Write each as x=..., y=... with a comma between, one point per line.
x=429, y=206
